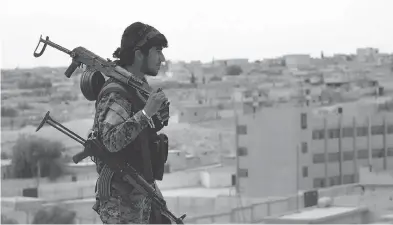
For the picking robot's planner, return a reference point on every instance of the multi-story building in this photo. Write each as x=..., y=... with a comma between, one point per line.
x=367, y=54
x=284, y=150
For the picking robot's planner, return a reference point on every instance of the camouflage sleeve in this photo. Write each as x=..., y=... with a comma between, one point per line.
x=118, y=126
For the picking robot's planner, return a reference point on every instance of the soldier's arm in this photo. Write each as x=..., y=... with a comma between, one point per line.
x=118, y=126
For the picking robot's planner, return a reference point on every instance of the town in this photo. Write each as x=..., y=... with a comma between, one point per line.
x=292, y=139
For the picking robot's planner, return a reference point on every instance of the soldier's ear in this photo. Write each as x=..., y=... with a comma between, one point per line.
x=138, y=55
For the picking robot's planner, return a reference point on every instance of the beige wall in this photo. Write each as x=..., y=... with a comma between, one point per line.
x=271, y=149
x=273, y=135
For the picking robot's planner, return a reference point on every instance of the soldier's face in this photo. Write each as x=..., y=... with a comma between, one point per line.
x=153, y=61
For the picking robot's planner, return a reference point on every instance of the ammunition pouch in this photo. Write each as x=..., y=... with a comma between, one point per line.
x=159, y=155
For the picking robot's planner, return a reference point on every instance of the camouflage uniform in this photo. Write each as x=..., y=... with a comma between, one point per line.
x=118, y=126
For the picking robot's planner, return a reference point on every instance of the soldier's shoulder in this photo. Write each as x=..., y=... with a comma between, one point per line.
x=112, y=99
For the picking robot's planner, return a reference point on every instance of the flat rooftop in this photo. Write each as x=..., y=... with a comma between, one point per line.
x=334, y=214
x=199, y=192
x=318, y=213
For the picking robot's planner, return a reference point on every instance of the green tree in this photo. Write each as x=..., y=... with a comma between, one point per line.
x=54, y=215
x=234, y=70
x=31, y=151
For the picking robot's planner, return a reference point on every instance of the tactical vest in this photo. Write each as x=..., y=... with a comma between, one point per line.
x=147, y=153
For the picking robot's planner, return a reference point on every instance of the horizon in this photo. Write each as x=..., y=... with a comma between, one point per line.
x=197, y=30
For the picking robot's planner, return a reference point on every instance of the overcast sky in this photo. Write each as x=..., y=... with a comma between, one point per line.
x=196, y=29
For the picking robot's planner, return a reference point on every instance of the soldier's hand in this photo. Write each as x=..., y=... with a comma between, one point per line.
x=155, y=101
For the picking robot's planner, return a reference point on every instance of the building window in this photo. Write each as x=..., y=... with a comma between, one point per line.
x=318, y=134
x=363, y=154
x=347, y=132
x=334, y=133
x=390, y=129
x=378, y=153
x=390, y=152
x=241, y=129
x=349, y=179
x=304, y=147
x=348, y=155
x=303, y=119
x=377, y=130
x=319, y=182
x=318, y=158
x=243, y=172
x=242, y=151
x=333, y=157
x=362, y=131
x=305, y=171
x=334, y=180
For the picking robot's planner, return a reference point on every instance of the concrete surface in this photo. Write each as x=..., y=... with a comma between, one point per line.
x=198, y=192
x=317, y=213
x=336, y=215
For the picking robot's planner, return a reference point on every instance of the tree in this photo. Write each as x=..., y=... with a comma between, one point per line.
x=11, y=113
x=234, y=70
x=30, y=151
x=54, y=215
x=8, y=112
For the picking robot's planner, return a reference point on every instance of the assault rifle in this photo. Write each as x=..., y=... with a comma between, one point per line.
x=94, y=63
x=94, y=148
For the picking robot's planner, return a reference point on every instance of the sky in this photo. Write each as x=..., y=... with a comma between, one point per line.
x=195, y=29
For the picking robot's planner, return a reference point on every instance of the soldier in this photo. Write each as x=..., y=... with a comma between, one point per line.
x=121, y=126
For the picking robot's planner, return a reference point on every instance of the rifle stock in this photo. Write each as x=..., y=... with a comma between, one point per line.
x=93, y=147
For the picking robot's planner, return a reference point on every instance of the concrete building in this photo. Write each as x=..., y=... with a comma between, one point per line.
x=195, y=113
x=253, y=98
x=274, y=62
x=241, y=62
x=230, y=62
x=282, y=151
x=297, y=61
x=367, y=54
x=176, y=160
